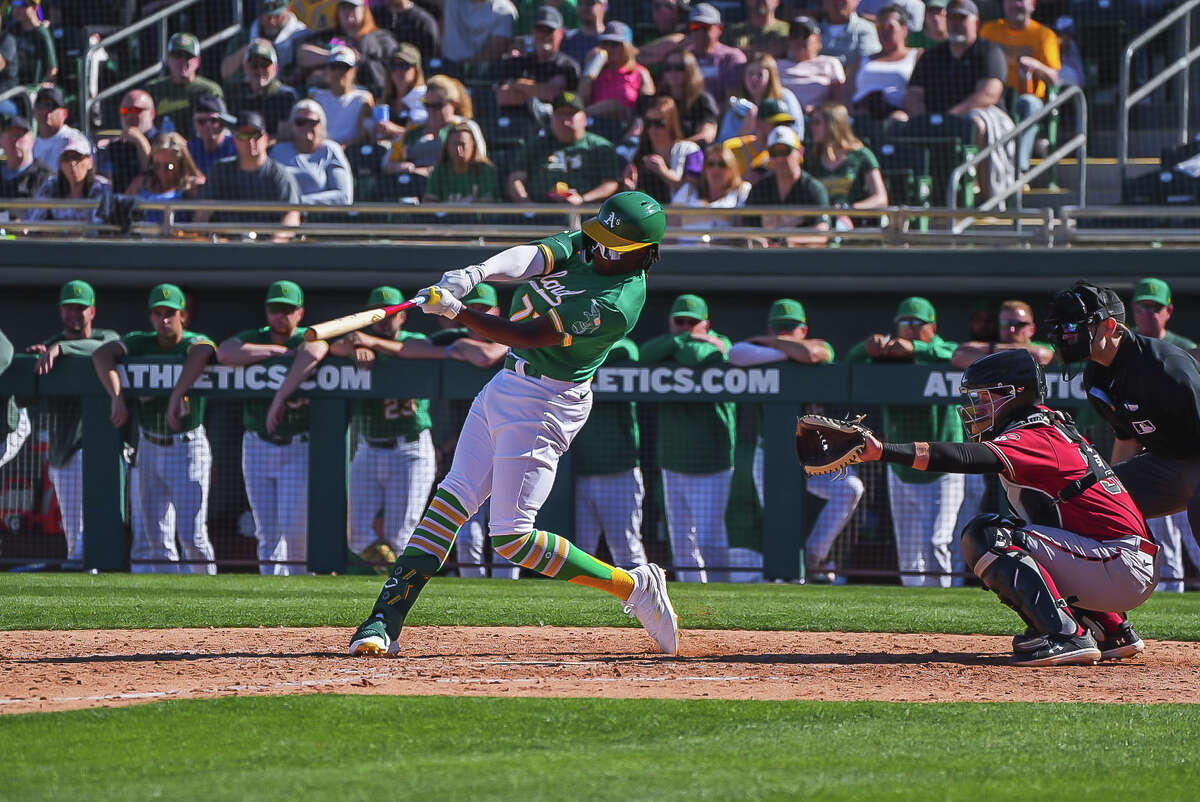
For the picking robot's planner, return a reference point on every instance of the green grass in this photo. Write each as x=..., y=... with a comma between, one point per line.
x=118, y=601
x=376, y=747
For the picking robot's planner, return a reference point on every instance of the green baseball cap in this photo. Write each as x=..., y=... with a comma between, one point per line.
x=77, y=292
x=787, y=309
x=917, y=307
x=167, y=295
x=1152, y=289
x=628, y=221
x=483, y=293
x=692, y=306
x=185, y=43
x=385, y=296
x=285, y=292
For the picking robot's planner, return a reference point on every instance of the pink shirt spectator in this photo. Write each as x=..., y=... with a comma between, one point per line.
x=811, y=81
x=622, y=85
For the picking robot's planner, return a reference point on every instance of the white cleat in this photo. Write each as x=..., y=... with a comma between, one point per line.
x=651, y=606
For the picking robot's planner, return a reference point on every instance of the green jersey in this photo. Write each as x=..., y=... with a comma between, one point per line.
x=846, y=183
x=66, y=412
x=254, y=411
x=175, y=101
x=152, y=410
x=591, y=311
x=908, y=424
x=476, y=185
x=609, y=442
x=581, y=165
x=1177, y=340
x=404, y=418
x=693, y=438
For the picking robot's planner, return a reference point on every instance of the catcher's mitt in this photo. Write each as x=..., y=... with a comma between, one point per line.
x=828, y=445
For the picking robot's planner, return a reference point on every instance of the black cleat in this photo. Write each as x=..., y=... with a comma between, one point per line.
x=1121, y=644
x=1029, y=641
x=1062, y=650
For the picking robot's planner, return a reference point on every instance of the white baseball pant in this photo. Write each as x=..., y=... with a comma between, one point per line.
x=974, y=491
x=176, y=478
x=16, y=438
x=469, y=547
x=68, y=490
x=1174, y=536
x=276, y=479
x=696, y=523
x=923, y=519
x=1105, y=575
x=611, y=503
x=143, y=547
x=398, y=480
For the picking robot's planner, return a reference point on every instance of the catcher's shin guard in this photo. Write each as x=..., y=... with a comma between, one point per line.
x=994, y=549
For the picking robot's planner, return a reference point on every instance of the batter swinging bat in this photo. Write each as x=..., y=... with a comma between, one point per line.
x=358, y=320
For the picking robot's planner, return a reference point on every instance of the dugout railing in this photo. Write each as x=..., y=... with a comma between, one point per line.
x=780, y=392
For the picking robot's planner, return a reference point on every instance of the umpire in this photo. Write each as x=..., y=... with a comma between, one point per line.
x=1147, y=389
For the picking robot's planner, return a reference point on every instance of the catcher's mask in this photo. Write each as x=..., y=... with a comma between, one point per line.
x=1072, y=314
x=997, y=387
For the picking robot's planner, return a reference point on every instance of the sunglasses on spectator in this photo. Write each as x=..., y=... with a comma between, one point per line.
x=1015, y=324
x=434, y=104
x=720, y=164
x=783, y=326
x=305, y=122
x=213, y=120
x=913, y=322
x=699, y=26
x=779, y=151
x=127, y=110
x=1149, y=306
x=73, y=157
x=180, y=54
x=259, y=63
x=684, y=321
x=656, y=122
x=46, y=105
x=281, y=309
x=676, y=67
x=247, y=136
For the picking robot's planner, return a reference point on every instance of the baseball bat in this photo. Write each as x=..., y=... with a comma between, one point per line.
x=359, y=320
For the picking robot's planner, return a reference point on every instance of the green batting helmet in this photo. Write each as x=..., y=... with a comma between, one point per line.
x=628, y=221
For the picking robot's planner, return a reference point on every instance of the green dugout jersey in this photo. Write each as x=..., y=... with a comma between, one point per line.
x=254, y=411
x=393, y=417
x=66, y=412
x=910, y=424
x=591, y=311
x=581, y=165
x=609, y=441
x=152, y=410
x=11, y=413
x=1177, y=340
x=693, y=438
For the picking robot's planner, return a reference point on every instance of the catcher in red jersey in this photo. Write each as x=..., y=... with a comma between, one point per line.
x=1081, y=555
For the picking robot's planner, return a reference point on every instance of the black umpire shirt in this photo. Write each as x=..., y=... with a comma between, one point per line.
x=1150, y=392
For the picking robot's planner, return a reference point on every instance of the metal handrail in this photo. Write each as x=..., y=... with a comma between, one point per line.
x=158, y=18
x=1128, y=101
x=1076, y=143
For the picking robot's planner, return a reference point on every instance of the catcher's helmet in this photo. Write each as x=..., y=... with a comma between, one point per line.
x=997, y=387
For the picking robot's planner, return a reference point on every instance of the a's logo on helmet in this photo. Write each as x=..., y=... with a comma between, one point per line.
x=612, y=221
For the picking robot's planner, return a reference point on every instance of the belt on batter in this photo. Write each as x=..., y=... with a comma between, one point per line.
x=390, y=442
x=521, y=367
x=168, y=439
x=284, y=439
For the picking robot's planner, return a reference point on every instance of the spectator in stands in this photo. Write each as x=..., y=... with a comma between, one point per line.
x=1153, y=306
x=1031, y=50
x=935, y=30
x=318, y=164
x=348, y=109
x=75, y=179
x=761, y=31
x=543, y=73
x=463, y=174
x=175, y=93
x=720, y=64
x=571, y=165
x=404, y=94
x=212, y=141
x=409, y=24
x=277, y=25
x=21, y=176
x=924, y=505
x=37, y=63
x=882, y=80
x=1016, y=330
x=812, y=77
x=258, y=87
x=840, y=161
x=446, y=103
x=172, y=174
x=252, y=176
x=357, y=32
x=582, y=40
x=760, y=80
x=317, y=15
x=1072, y=73
x=846, y=36
x=664, y=159
x=477, y=31
x=787, y=184
x=670, y=19
x=720, y=187
x=9, y=61
x=698, y=110
x=128, y=155
x=913, y=9
x=751, y=150
x=614, y=88
x=50, y=112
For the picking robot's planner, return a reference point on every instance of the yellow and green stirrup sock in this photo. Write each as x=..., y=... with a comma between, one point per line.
x=556, y=557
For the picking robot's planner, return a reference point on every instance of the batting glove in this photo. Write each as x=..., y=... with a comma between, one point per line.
x=440, y=301
x=461, y=282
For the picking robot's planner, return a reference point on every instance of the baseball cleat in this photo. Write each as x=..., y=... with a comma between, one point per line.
x=371, y=640
x=1062, y=650
x=1029, y=641
x=1121, y=644
x=652, y=608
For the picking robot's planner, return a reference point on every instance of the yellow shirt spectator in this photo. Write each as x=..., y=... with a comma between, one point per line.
x=1034, y=40
x=318, y=15
x=749, y=154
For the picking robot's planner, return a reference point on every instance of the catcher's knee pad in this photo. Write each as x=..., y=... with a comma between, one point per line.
x=994, y=548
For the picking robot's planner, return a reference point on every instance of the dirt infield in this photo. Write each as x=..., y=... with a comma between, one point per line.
x=42, y=671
